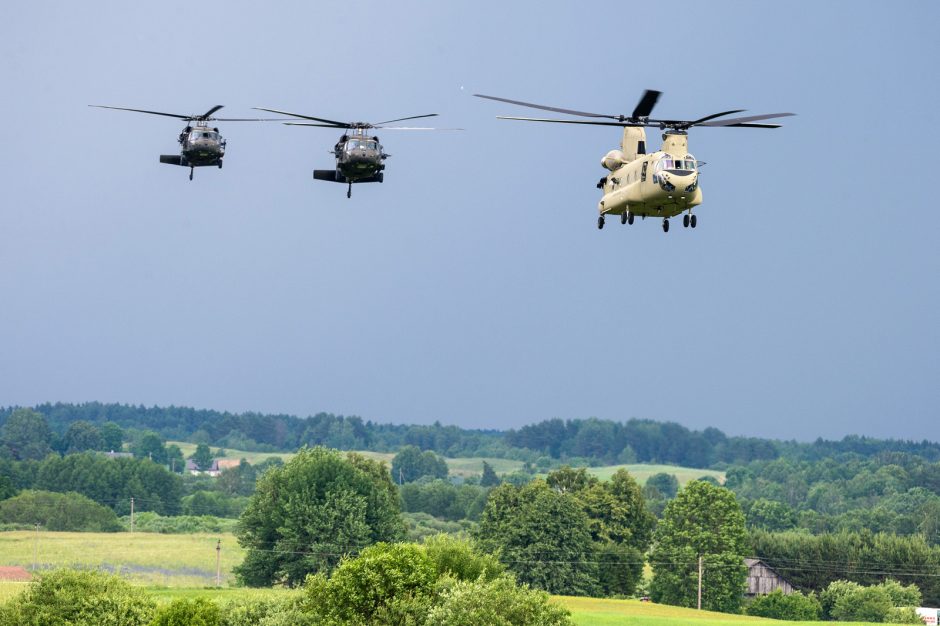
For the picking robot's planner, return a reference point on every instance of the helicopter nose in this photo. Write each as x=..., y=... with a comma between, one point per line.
x=670, y=181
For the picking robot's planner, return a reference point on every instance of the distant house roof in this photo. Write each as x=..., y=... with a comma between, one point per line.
x=14, y=573
x=117, y=455
x=192, y=467
x=228, y=463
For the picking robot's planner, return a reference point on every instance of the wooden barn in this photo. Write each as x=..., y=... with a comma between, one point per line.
x=762, y=579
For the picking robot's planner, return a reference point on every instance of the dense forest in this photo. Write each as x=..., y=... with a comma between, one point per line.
x=580, y=441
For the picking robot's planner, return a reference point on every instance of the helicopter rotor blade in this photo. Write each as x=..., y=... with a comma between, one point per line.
x=714, y=115
x=585, y=122
x=737, y=121
x=645, y=106
x=206, y=115
x=182, y=117
x=306, y=117
x=413, y=128
x=546, y=108
x=309, y=124
x=402, y=119
x=246, y=119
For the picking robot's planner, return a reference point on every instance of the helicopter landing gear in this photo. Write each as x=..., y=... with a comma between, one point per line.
x=666, y=225
x=629, y=218
x=623, y=217
x=685, y=221
x=693, y=220
x=191, y=172
x=600, y=222
x=220, y=163
x=349, y=191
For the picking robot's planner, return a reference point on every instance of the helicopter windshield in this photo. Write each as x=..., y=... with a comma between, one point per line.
x=197, y=135
x=358, y=144
x=675, y=165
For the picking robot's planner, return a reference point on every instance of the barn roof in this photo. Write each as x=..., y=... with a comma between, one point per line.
x=14, y=573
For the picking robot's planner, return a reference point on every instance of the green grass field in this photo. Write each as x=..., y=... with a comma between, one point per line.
x=641, y=472
x=144, y=558
x=175, y=566
x=473, y=466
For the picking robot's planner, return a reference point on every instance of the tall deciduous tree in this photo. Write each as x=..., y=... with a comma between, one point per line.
x=541, y=535
x=27, y=435
x=150, y=446
x=489, y=477
x=112, y=437
x=317, y=507
x=702, y=521
x=411, y=463
x=82, y=436
x=202, y=457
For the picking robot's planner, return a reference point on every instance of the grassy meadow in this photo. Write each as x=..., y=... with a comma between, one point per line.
x=143, y=558
x=641, y=472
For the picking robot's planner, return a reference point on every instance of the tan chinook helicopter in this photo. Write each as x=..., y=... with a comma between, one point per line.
x=200, y=145
x=360, y=158
x=662, y=184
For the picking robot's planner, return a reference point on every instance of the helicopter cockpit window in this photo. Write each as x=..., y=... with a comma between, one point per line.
x=675, y=165
x=352, y=144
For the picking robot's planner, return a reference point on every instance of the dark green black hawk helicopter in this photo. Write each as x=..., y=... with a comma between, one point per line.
x=360, y=158
x=200, y=145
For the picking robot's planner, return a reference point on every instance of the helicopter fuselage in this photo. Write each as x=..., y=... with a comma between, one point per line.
x=661, y=184
x=200, y=146
x=359, y=159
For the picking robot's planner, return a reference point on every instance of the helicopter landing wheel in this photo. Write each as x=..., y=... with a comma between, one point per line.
x=623, y=217
x=666, y=226
x=191, y=173
x=349, y=191
x=220, y=163
x=693, y=221
x=600, y=222
x=685, y=221
x=630, y=218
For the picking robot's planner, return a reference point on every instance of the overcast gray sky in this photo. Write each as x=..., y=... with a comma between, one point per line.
x=473, y=287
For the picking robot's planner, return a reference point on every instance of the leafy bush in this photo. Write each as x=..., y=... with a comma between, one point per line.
x=58, y=511
x=79, y=598
x=495, y=603
x=213, y=503
x=778, y=605
x=184, y=612
x=459, y=559
x=264, y=612
x=178, y=524
x=385, y=584
x=847, y=601
x=420, y=526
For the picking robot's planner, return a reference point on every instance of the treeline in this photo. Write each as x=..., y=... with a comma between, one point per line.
x=889, y=492
x=811, y=563
x=268, y=433
x=591, y=441
x=646, y=441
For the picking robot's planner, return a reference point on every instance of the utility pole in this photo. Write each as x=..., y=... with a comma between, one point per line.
x=36, y=550
x=700, y=582
x=218, y=563
x=132, y=513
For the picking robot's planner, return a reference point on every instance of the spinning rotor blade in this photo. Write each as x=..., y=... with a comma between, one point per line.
x=309, y=124
x=741, y=121
x=333, y=123
x=413, y=128
x=714, y=115
x=538, y=119
x=182, y=117
x=546, y=108
x=245, y=119
x=402, y=119
x=210, y=112
x=645, y=106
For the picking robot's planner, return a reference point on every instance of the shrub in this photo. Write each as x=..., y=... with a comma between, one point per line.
x=178, y=524
x=848, y=601
x=458, y=558
x=58, y=511
x=183, y=612
x=79, y=598
x=385, y=584
x=778, y=605
x=258, y=612
x=495, y=603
